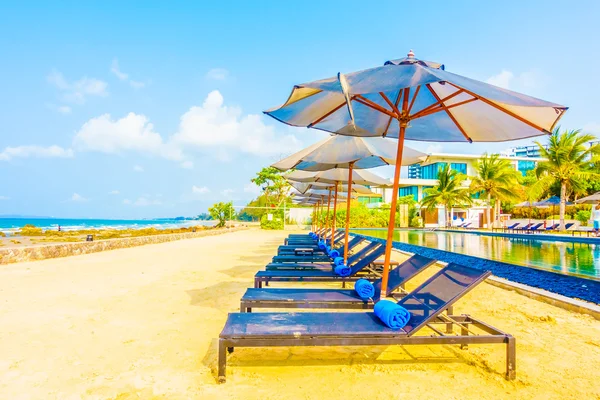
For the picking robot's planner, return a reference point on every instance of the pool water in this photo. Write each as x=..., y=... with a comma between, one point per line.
x=581, y=259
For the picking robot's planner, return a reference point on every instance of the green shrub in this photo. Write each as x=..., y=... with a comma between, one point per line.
x=275, y=224
x=583, y=216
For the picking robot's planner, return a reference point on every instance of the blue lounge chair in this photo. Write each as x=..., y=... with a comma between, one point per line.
x=327, y=265
x=331, y=298
x=291, y=249
x=523, y=228
x=534, y=228
x=315, y=256
x=319, y=275
x=426, y=305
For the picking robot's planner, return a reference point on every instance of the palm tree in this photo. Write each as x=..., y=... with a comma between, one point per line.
x=569, y=162
x=497, y=178
x=448, y=192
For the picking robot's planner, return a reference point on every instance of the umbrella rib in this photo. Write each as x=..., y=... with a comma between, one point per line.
x=460, y=128
x=500, y=108
x=387, y=100
x=413, y=99
x=326, y=115
x=439, y=102
x=363, y=100
x=391, y=119
x=421, y=115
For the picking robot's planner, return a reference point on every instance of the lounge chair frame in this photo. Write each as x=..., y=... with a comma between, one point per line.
x=227, y=343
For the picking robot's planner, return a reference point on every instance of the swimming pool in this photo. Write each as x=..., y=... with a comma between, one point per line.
x=580, y=259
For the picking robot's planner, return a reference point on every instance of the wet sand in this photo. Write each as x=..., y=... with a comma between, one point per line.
x=142, y=323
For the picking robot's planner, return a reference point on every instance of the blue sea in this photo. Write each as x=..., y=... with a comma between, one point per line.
x=10, y=225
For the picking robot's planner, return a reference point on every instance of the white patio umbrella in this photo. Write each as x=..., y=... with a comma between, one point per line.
x=337, y=176
x=428, y=103
x=351, y=152
x=303, y=187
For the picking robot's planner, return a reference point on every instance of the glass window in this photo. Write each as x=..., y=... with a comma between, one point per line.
x=460, y=167
x=431, y=171
x=409, y=190
x=524, y=166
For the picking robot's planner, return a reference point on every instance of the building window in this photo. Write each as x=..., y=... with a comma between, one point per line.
x=369, y=199
x=460, y=167
x=524, y=166
x=431, y=171
x=408, y=191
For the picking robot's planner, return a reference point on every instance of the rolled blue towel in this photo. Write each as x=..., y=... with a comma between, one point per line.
x=322, y=245
x=343, y=270
x=364, y=288
x=338, y=260
x=328, y=249
x=334, y=253
x=312, y=235
x=391, y=314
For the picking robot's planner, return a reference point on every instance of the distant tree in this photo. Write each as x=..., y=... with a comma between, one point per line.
x=570, y=161
x=496, y=178
x=449, y=192
x=222, y=212
x=274, y=186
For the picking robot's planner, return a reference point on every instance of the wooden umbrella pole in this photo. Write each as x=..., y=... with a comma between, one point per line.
x=333, y=218
x=350, y=167
x=327, y=217
x=403, y=121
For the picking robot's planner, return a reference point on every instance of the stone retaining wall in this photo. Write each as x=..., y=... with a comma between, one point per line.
x=20, y=254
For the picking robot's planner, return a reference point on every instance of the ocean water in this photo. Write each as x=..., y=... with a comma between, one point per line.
x=10, y=225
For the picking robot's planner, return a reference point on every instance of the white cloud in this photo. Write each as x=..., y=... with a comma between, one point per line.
x=527, y=80
x=200, y=190
x=227, y=192
x=592, y=127
x=217, y=74
x=114, y=68
x=434, y=148
x=136, y=84
x=4, y=198
x=503, y=79
x=252, y=189
x=59, y=109
x=114, y=192
x=187, y=165
x=35, y=151
x=77, y=91
x=131, y=133
x=138, y=168
x=64, y=109
x=219, y=128
x=78, y=198
x=143, y=202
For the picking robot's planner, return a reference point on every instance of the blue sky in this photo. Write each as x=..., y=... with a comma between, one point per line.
x=150, y=109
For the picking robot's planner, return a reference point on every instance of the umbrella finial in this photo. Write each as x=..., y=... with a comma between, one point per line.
x=410, y=54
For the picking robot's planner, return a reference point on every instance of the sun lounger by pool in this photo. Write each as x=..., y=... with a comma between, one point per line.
x=426, y=304
x=331, y=298
x=310, y=263
x=319, y=275
x=535, y=228
x=291, y=249
x=523, y=228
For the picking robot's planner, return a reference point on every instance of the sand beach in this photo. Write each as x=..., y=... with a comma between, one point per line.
x=142, y=323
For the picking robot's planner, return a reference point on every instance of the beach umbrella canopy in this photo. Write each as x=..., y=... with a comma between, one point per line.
x=348, y=151
x=551, y=201
x=412, y=99
x=525, y=204
x=351, y=153
x=339, y=175
x=592, y=199
x=303, y=187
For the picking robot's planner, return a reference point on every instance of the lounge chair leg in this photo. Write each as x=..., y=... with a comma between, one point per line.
x=343, y=284
x=222, y=362
x=511, y=358
x=464, y=332
x=449, y=311
x=257, y=283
